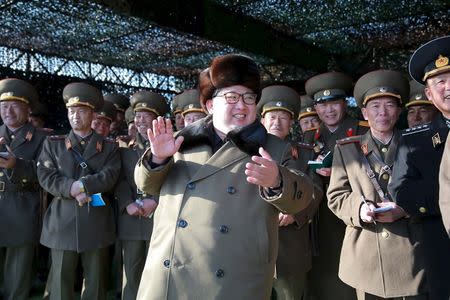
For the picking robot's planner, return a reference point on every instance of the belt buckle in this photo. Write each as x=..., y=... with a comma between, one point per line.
x=83, y=165
x=2, y=186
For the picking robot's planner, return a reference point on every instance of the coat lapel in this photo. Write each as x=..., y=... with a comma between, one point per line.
x=5, y=135
x=23, y=135
x=94, y=146
x=225, y=156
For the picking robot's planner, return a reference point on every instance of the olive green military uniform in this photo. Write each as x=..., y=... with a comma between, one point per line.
x=294, y=248
x=381, y=260
x=188, y=101
x=70, y=230
x=20, y=201
x=328, y=230
x=135, y=231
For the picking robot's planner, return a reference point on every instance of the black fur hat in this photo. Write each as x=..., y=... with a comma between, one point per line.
x=228, y=70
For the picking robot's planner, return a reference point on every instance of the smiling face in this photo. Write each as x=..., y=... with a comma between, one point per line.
x=80, y=118
x=382, y=114
x=227, y=117
x=331, y=112
x=143, y=121
x=438, y=91
x=14, y=113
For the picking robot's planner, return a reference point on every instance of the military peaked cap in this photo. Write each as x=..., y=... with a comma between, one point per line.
x=82, y=94
x=149, y=101
x=279, y=97
x=430, y=59
x=13, y=89
x=381, y=83
x=329, y=86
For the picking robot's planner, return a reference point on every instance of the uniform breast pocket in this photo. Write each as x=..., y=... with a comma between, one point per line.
x=263, y=243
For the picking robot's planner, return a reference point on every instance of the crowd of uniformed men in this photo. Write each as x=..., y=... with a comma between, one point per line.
x=356, y=208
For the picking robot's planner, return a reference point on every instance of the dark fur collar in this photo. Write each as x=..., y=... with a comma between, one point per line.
x=247, y=139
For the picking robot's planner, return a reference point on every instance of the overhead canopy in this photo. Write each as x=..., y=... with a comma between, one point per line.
x=291, y=40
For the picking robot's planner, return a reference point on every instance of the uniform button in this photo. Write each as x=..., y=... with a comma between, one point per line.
x=231, y=190
x=385, y=176
x=309, y=221
x=182, y=223
x=385, y=234
x=166, y=263
x=223, y=229
x=384, y=150
x=191, y=185
x=82, y=142
x=422, y=209
x=13, y=137
x=24, y=180
x=220, y=273
x=1, y=174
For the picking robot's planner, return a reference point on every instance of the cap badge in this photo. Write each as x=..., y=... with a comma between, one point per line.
x=309, y=109
x=102, y=113
x=6, y=95
x=442, y=61
x=383, y=90
x=73, y=100
x=418, y=96
x=144, y=104
x=326, y=93
x=279, y=104
x=191, y=106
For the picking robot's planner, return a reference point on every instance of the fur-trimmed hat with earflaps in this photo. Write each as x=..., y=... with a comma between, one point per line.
x=228, y=70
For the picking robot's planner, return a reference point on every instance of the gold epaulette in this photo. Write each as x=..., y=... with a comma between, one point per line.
x=363, y=123
x=349, y=140
x=416, y=129
x=56, y=137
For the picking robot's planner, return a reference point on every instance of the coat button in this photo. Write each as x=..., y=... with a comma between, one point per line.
x=385, y=176
x=223, y=229
x=384, y=149
x=231, y=190
x=191, y=185
x=166, y=263
x=422, y=209
x=385, y=234
x=182, y=223
x=220, y=273
x=1, y=174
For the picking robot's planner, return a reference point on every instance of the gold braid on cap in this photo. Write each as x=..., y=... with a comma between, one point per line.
x=75, y=101
x=9, y=96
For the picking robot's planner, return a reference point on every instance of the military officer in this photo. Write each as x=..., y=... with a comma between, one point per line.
x=380, y=255
x=415, y=181
x=329, y=91
x=135, y=208
x=215, y=234
x=75, y=168
x=307, y=117
x=103, y=119
x=444, y=187
x=121, y=103
x=176, y=111
x=20, y=145
x=420, y=110
x=279, y=107
x=129, y=118
x=191, y=108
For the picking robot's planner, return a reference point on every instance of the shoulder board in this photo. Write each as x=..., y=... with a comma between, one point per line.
x=305, y=145
x=110, y=140
x=311, y=129
x=416, y=129
x=363, y=123
x=349, y=140
x=56, y=137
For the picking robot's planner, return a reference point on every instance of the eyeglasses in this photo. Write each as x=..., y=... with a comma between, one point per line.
x=233, y=97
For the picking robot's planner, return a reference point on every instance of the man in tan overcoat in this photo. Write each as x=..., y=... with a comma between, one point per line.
x=73, y=168
x=279, y=107
x=222, y=184
x=20, y=145
x=380, y=254
x=444, y=187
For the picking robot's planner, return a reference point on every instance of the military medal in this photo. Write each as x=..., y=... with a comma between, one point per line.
x=436, y=140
